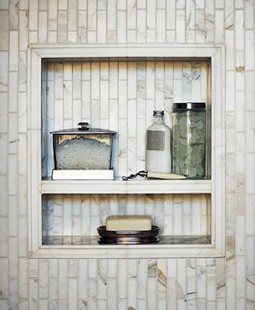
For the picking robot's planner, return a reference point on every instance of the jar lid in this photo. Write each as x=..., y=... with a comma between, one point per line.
x=188, y=106
x=158, y=112
x=83, y=130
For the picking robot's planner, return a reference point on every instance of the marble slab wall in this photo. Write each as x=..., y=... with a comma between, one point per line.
x=222, y=283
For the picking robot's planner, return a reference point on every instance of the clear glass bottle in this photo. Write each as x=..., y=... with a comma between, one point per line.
x=158, y=152
x=189, y=139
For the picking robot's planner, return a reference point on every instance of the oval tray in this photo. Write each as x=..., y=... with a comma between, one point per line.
x=128, y=241
x=128, y=234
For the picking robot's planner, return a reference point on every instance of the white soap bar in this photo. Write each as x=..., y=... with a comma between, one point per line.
x=128, y=222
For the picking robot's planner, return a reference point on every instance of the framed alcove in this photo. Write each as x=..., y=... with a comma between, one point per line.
x=117, y=87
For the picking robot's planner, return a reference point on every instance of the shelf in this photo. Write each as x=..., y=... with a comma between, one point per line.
x=188, y=246
x=93, y=240
x=126, y=187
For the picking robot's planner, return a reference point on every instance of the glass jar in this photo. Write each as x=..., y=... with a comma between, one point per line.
x=158, y=154
x=189, y=139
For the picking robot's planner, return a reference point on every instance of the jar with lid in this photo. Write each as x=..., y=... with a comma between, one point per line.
x=158, y=154
x=189, y=139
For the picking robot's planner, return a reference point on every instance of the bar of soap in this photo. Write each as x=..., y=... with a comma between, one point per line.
x=128, y=222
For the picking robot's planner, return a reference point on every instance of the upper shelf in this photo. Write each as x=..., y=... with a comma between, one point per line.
x=126, y=187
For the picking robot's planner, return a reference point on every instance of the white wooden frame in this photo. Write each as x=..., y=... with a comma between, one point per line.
x=215, y=186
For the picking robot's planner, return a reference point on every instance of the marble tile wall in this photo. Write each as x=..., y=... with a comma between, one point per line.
x=224, y=283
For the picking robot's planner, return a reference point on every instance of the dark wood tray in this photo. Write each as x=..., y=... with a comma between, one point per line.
x=128, y=237
x=128, y=241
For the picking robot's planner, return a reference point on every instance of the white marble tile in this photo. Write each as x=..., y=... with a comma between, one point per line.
x=151, y=295
x=33, y=14
x=4, y=71
x=219, y=26
x=229, y=15
x=160, y=26
x=249, y=14
x=249, y=50
x=250, y=250
x=62, y=284
x=43, y=5
x=33, y=293
x=72, y=15
x=43, y=279
x=14, y=56
x=239, y=30
x=200, y=26
x=72, y=293
x=22, y=72
x=60, y=24
x=83, y=279
x=249, y=176
x=53, y=268
x=13, y=294
x=43, y=20
x=240, y=277
x=151, y=15
x=23, y=5
x=4, y=5
x=250, y=215
x=4, y=27
x=121, y=27
x=180, y=26
x=62, y=4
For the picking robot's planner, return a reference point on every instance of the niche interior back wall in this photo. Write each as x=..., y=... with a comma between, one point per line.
x=222, y=283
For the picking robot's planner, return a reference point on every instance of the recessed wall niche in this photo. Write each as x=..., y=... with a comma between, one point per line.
x=117, y=88
x=119, y=94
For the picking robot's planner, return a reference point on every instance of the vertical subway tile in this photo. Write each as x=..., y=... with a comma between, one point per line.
x=122, y=279
x=3, y=121
x=53, y=15
x=101, y=26
x=229, y=15
x=62, y=26
x=121, y=27
x=239, y=30
x=14, y=293
x=43, y=279
x=72, y=15
x=250, y=250
x=4, y=28
x=33, y=15
x=23, y=284
x=249, y=50
x=62, y=4
x=43, y=5
x=249, y=14
x=4, y=5
x=43, y=19
x=219, y=30
x=73, y=293
x=180, y=26
x=63, y=279
x=4, y=237
x=14, y=43
x=160, y=27
x=4, y=71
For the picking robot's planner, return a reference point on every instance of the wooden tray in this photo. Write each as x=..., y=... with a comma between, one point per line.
x=128, y=237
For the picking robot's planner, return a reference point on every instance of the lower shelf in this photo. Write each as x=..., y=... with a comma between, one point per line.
x=93, y=240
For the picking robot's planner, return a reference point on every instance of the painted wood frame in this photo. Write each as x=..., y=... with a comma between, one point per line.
x=215, y=187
